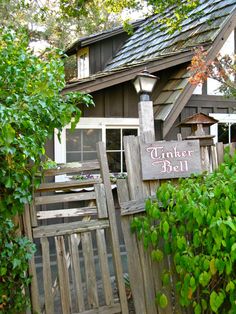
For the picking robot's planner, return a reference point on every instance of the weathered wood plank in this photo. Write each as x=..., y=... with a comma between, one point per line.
x=103, y=258
x=220, y=152
x=114, y=232
x=34, y=291
x=134, y=207
x=74, y=242
x=70, y=212
x=62, y=198
x=112, y=309
x=47, y=277
x=122, y=190
x=134, y=265
x=69, y=228
x=205, y=160
x=73, y=167
x=147, y=277
x=214, y=159
x=146, y=121
x=90, y=272
x=101, y=200
x=63, y=275
x=67, y=185
x=132, y=157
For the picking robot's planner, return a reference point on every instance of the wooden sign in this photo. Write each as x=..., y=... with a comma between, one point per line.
x=172, y=159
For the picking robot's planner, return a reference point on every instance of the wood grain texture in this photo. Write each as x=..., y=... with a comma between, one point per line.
x=47, y=276
x=101, y=200
x=63, y=275
x=105, y=273
x=62, y=198
x=114, y=232
x=75, y=262
x=69, y=228
x=90, y=273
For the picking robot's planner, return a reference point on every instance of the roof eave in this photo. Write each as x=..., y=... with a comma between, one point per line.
x=117, y=77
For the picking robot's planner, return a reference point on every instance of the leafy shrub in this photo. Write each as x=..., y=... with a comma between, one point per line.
x=31, y=107
x=15, y=252
x=195, y=221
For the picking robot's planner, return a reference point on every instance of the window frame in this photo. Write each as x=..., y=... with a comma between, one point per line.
x=222, y=118
x=81, y=73
x=95, y=123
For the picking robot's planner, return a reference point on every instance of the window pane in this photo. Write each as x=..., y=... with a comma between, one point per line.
x=90, y=139
x=127, y=132
x=113, y=139
x=223, y=133
x=81, y=144
x=73, y=156
x=233, y=132
x=89, y=156
x=73, y=140
x=114, y=162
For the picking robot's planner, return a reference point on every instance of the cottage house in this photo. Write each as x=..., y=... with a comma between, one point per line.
x=108, y=62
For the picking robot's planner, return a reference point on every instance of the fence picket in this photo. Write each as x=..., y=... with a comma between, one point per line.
x=90, y=273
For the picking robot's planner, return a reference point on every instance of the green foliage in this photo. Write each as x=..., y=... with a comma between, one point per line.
x=15, y=252
x=195, y=222
x=30, y=108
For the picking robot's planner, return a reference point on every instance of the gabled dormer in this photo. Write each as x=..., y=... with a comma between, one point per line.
x=90, y=55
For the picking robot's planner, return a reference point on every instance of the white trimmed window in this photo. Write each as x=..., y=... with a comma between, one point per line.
x=225, y=129
x=83, y=62
x=80, y=145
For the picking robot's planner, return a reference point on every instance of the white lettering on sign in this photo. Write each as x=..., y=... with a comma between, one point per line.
x=170, y=159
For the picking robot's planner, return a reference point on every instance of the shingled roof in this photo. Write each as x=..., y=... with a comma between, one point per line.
x=150, y=41
x=154, y=48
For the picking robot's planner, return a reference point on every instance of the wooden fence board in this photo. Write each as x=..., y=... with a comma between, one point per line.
x=63, y=213
x=34, y=291
x=67, y=185
x=90, y=272
x=69, y=228
x=134, y=264
x=47, y=277
x=72, y=167
x=74, y=242
x=63, y=275
x=114, y=232
x=101, y=200
x=103, y=258
x=132, y=156
x=62, y=198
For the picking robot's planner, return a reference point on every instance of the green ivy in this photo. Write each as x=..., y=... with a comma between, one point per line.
x=195, y=222
x=31, y=107
x=15, y=253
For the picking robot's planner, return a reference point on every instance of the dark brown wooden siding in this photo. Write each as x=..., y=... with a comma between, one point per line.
x=100, y=53
x=120, y=101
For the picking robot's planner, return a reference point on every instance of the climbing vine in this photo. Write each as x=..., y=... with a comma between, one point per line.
x=31, y=107
x=195, y=222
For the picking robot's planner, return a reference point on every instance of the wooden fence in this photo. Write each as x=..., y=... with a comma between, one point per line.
x=144, y=274
x=71, y=273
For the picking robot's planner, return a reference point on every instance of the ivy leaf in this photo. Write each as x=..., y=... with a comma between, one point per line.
x=216, y=300
x=166, y=227
x=162, y=300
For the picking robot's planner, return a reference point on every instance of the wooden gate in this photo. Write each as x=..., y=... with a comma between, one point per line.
x=144, y=274
x=77, y=255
